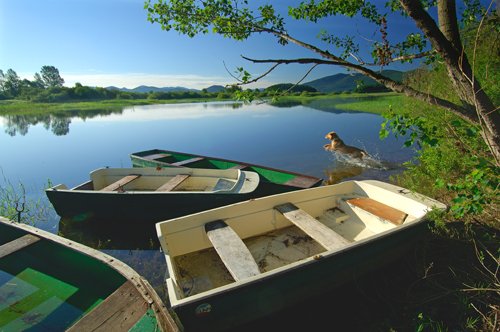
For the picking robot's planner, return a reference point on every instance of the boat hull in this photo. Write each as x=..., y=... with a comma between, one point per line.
x=146, y=195
x=264, y=296
x=138, y=207
x=304, y=244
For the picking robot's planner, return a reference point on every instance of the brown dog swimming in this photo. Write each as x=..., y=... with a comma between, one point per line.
x=339, y=146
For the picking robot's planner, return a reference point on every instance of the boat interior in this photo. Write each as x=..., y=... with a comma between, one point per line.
x=235, y=242
x=165, y=181
x=266, y=174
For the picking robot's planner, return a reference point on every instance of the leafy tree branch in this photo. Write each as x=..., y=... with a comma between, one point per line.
x=239, y=20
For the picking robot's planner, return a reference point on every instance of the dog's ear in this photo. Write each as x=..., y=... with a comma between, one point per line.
x=330, y=135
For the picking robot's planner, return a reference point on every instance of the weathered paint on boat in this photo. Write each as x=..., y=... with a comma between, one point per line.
x=114, y=195
x=53, y=284
x=272, y=180
x=304, y=244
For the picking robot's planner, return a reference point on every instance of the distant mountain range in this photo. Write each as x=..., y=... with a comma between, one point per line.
x=333, y=83
x=145, y=89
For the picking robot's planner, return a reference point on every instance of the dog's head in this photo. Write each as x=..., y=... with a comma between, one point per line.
x=331, y=135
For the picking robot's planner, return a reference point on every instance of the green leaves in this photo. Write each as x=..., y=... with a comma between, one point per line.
x=416, y=130
x=346, y=44
x=315, y=10
x=243, y=75
x=231, y=19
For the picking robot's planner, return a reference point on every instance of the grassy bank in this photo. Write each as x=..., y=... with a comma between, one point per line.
x=13, y=107
x=367, y=102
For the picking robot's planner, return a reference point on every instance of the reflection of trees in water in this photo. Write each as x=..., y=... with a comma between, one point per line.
x=285, y=103
x=325, y=105
x=330, y=105
x=223, y=105
x=19, y=124
x=57, y=123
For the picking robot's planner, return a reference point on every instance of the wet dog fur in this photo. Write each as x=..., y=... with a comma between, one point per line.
x=336, y=144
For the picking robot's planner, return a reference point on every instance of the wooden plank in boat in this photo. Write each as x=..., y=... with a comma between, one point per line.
x=120, y=183
x=395, y=216
x=238, y=166
x=173, y=182
x=17, y=244
x=118, y=312
x=156, y=156
x=231, y=249
x=187, y=161
x=312, y=227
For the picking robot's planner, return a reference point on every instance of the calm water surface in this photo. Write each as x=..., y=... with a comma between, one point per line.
x=64, y=149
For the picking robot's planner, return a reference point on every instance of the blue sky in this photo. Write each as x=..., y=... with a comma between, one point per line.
x=110, y=42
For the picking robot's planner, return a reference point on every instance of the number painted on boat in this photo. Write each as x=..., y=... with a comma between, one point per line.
x=203, y=309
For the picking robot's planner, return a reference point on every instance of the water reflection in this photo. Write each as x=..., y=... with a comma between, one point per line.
x=341, y=173
x=103, y=234
x=135, y=245
x=58, y=123
x=322, y=104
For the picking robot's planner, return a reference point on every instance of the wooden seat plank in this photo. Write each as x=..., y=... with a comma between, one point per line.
x=187, y=161
x=120, y=183
x=156, y=156
x=119, y=312
x=321, y=233
x=231, y=249
x=173, y=182
x=17, y=244
x=395, y=216
x=240, y=166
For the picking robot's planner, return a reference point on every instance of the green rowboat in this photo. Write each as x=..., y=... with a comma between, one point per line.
x=272, y=180
x=49, y=283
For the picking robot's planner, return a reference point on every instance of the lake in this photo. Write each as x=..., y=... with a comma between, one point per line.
x=64, y=149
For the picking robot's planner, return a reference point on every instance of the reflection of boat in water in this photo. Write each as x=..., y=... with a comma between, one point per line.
x=105, y=235
x=50, y=283
x=342, y=173
x=233, y=264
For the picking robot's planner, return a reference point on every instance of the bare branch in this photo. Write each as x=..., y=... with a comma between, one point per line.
x=259, y=77
x=391, y=84
x=231, y=74
x=289, y=61
x=303, y=77
x=412, y=56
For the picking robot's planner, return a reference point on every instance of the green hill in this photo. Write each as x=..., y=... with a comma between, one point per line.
x=291, y=87
x=347, y=82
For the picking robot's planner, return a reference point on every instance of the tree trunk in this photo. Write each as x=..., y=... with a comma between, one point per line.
x=448, y=45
